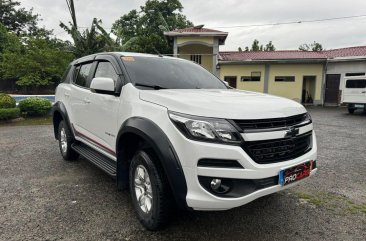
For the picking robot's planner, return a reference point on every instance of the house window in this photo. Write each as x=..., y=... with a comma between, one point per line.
x=356, y=83
x=355, y=74
x=255, y=76
x=196, y=58
x=285, y=78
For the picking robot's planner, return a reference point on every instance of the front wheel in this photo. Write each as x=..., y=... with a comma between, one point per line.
x=150, y=192
x=351, y=110
x=65, y=140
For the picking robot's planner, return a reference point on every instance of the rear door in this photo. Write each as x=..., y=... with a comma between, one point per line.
x=104, y=107
x=78, y=95
x=355, y=90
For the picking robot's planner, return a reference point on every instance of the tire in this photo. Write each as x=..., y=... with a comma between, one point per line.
x=65, y=140
x=156, y=201
x=351, y=110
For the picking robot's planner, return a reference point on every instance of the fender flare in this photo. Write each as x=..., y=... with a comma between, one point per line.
x=60, y=108
x=157, y=139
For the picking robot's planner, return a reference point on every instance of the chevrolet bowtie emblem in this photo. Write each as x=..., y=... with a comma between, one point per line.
x=291, y=132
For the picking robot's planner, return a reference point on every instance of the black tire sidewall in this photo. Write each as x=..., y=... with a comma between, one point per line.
x=69, y=154
x=149, y=220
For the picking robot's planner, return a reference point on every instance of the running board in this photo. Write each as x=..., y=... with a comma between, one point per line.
x=98, y=159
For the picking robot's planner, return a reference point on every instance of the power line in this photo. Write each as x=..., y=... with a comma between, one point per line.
x=292, y=22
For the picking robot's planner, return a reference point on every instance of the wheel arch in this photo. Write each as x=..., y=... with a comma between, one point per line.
x=134, y=134
x=59, y=113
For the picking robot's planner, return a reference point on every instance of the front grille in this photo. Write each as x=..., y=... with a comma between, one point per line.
x=270, y=123
x=278, y=150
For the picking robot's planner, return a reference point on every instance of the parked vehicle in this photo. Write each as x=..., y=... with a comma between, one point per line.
x=176, y=135
x=354, y=94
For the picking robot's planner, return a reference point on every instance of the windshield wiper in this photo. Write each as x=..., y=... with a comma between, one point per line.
x=155, y=87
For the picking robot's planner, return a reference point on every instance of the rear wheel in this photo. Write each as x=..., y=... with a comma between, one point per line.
x=65, y=140
x=351, y=110
x=150, y=192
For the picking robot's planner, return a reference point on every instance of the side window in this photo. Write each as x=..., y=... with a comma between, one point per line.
x=65, y=78
x=82, y=74
x=106, y=70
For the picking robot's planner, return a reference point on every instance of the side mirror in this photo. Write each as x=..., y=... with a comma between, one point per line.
x=103, y=85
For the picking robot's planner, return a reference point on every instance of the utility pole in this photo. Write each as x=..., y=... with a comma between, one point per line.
x=70, y=5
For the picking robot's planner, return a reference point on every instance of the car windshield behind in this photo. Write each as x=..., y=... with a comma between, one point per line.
x=168, y=73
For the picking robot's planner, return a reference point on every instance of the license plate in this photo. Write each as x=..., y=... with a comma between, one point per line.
x=359, y=106
x=295, y=173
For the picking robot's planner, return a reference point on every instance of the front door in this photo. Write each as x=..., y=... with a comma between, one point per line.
x=332, y=88
x=103, y=115
x=231, y=80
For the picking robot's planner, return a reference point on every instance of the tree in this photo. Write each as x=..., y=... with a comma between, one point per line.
x=90, y=41
x=143, y=31
x=20, y=21
x=32, y=61
x=269, y=47
x=259, y=47
x=311, y=47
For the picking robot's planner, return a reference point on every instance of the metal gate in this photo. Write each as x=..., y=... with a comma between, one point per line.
x=332, y=88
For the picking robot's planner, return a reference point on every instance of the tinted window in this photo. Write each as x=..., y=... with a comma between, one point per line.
x=356, y=83
x=285, y=78
x=355, y=74
x=82, y=75
x=106, y=70
x=65, y=77
x=170, y=73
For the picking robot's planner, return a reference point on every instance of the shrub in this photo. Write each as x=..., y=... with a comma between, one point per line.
x=35, y=106
x=9, y=113
x=6, y=101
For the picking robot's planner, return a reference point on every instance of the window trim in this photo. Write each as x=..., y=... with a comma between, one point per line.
x=88, y=79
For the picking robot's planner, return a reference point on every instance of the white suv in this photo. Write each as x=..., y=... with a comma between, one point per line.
x=174, y=134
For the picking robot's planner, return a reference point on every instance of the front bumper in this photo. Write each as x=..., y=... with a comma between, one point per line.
x=199, y=198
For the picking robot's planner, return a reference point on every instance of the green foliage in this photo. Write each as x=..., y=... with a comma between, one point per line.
x=6, y=101
x=20, y=21
x=311, y=47
x=143, y=31
x=34, y=106
x=33, y=61
x=10, y=113
x=259, y=47
x=90, y=41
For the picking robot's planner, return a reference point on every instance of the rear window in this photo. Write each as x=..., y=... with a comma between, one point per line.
x=170, y=73
x=356, y=83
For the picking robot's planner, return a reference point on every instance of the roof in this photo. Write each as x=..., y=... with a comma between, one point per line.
x=270, y=55
x=235, y=56
x=346, y=52
x=196, y=30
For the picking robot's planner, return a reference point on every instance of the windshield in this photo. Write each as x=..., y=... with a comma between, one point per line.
x=168, y=73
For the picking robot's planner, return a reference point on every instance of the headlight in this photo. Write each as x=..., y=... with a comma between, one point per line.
x=206, y=129
x=307, y=118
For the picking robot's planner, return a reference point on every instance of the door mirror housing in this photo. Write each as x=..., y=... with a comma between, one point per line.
x=103, y=85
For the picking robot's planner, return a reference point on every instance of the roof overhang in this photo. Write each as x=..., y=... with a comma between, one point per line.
x=347, y=59
x=220, y=35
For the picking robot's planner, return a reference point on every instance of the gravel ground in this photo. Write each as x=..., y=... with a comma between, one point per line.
x=43, y=197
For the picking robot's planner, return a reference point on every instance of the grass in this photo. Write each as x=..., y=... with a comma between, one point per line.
x=29, y=121
x=331, y=201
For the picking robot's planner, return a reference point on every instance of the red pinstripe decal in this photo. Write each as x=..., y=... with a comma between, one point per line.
x=110, y=151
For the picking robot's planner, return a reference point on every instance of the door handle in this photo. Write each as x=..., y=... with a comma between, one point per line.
x=67, y=94
x=363, y=92
x=87, y=100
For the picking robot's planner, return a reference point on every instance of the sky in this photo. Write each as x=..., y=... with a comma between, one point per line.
x=217, y=14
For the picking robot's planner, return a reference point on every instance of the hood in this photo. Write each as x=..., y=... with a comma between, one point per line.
x=229, y=104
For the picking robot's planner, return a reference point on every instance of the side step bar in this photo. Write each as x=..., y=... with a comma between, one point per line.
x=98, y=159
